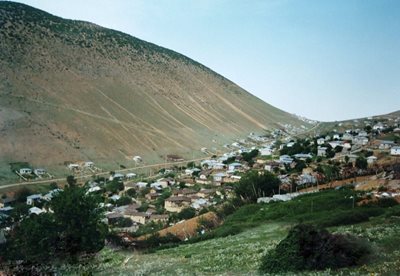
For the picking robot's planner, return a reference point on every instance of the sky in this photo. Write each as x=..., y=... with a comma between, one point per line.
x=325, y=60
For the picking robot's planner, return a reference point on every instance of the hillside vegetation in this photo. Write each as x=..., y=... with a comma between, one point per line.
x=261, y=227
x=72, y=90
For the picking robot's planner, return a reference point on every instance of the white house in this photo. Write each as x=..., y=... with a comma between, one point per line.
x=321, y=151
x=371, y=159
x=218, y=177
x=25, y=171
x=117, y=176
x=395, y=151
x=33, y=198
x=36, y=211
x=285, y=159
x=141, y=185
x=49, y=196
x=39, y=172
x=321, y=141
x=265, y=151
x=73, y=167
x=137, y=159
x=303, y=156
x=336, y=136
x=88, y=164
x=234, y=167
x=130, y=175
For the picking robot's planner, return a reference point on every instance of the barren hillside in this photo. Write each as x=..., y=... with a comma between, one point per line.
x=72, y=90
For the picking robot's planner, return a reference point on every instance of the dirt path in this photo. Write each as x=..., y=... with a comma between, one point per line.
x=86, y=176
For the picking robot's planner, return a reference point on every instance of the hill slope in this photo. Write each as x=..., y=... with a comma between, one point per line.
x=72, y=90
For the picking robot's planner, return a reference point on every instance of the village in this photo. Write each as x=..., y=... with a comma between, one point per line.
x=365, y=158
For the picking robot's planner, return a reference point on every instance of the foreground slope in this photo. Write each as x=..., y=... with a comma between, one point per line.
x=72, y=90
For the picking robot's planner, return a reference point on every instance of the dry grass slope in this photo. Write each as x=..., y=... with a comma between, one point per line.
x=72, y=90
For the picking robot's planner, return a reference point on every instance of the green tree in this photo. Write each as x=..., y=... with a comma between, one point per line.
x=123, y=200
x=187, y=213
x=361, y=163
x=114, y=186
x=78, y=218
x=34, y=239
x=131, y=192
x=253, y=185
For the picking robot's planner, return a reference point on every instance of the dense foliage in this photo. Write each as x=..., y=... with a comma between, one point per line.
x=310, y=248
x=74, y=227
x=254, y=185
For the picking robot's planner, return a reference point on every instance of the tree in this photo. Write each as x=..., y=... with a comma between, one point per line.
x=114, y=186
x=124, y=200
x=131, y=192
x=71, y=180
x=361, y=163
x=187, y=213
x=78, y=218
x=253, y=185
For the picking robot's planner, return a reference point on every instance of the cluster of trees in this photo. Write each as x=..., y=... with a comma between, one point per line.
x=73, y=228
x=254, y=185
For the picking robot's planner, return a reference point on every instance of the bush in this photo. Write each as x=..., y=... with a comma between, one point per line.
x=310, y=248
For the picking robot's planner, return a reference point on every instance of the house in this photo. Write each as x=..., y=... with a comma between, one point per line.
x=303, y=156
x=25, y=171
x=130, y=175
x=192, y=171
x=347, y=136
x=265, y=151
x=206, y=193
x=6, y=210
x=378, y=126
x=93, y=189
x=360, y=140
x=395, y=151
x=49, y=196
x=159, y=218
x=176, y=203
x=305, y=179
x=39, y=172
x=363, y=133
x=234, y=167
x=334, y=144
x=204, y=174
x=320, y=141
x=117, y=176
x=218, y=166
x=137, y=159
x=218, y=177
x=88, y=164
x=285, y=159
x=199, y=203
x=186, y=192
x=113, y=217
x=115, y=197
x=73, y=167
x=371, y=159
x=141, y=185
x=336, y=136
x=322, y=151
x=5, y=202
x=165, y=182
x=30, y=200
x=36, y=211
x=385, y=144
x=152, y=196
x=135, y=216
x=271, y=166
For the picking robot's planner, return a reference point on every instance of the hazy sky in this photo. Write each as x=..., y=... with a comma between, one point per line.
x=326, y=60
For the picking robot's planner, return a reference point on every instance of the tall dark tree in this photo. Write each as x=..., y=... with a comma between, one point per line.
x=78, y=217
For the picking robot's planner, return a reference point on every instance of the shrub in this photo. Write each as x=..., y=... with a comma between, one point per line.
x=310, y=248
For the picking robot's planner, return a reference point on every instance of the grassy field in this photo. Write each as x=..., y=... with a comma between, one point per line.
x=260, y=228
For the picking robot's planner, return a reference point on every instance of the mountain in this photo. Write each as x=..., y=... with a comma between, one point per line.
x=72, y=90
